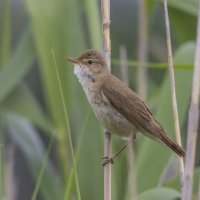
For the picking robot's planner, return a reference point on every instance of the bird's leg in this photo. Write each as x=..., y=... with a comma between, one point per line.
x=111, y=159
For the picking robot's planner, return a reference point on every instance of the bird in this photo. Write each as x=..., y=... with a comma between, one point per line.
x=119, y=109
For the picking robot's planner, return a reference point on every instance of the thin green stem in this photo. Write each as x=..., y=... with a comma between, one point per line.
x=5, y=39
x=152, y=64
x=71, y=174
x=44, y=163
x=67, y=128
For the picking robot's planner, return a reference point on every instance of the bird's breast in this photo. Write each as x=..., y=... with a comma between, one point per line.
x=110, y=118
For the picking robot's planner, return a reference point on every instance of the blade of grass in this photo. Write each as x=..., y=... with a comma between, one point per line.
x=68, y=129
x=28, y=139
x=153, y=65
x=159, y=193
x=93, y=18
x=43, y=167
x=17, y=67
x=54, y=21
x=23, y=102
x=173, y=89
x=71, y=174
x=6, y=39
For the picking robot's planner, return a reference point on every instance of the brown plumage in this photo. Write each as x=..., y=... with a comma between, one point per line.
x=116, y=106
x=136, y=112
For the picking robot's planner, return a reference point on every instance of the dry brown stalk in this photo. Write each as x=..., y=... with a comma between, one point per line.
x=123, y=64
x=199, y=192
x=107, y=167
x=142, y=77
x=130, y=153
x=173, y=88
x=105, y=12
x=10, y=182
x=105, y=7
x=193, y=118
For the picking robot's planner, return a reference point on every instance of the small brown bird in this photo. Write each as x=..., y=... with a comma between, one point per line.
x=117, y=107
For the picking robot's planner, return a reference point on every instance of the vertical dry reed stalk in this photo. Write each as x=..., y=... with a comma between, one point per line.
x=123, y=64
x=10, y=182
x=199, y=192
x=105, y=10
x=142, y=77
x=193, y=118
x=130, y=153
x=173, y=88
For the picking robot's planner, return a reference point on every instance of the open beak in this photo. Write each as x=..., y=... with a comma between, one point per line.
x=74, y=60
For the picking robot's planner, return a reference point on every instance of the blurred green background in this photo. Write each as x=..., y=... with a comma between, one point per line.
x=36, y=161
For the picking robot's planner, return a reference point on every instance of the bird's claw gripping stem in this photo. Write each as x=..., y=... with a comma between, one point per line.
x=107, y=160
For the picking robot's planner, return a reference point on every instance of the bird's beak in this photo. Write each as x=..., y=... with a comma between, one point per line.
x=74, y=60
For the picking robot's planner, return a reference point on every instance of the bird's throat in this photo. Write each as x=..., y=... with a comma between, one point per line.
x=86, y=81
x=84, y=78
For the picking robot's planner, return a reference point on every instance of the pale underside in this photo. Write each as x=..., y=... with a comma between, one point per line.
x=110, y=118
x=101, y=97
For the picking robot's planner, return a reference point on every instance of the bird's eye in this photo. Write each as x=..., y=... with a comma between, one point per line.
x=90, y=62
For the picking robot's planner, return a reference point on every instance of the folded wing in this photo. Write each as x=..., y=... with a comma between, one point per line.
x=130, y=105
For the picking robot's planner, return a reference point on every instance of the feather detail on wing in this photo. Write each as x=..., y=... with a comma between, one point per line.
x=129, y=105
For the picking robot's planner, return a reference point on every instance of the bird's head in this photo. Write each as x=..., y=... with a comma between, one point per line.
x=90, y=63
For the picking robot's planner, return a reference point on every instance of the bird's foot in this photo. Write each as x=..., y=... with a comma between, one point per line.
x=107, y=160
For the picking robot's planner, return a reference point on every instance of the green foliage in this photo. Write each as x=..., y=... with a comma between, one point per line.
x=148, y=149
x=186, y=6
x=173, y=183
x=23, y=58
x=67, y=28
x=183, y=16
x=68, y=130
x=24, y=134
x=159, y=193
x=5, y=35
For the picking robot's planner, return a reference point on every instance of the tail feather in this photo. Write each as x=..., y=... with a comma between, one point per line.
x=172, y=145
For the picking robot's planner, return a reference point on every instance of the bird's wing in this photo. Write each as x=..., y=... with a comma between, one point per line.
x=129, y=105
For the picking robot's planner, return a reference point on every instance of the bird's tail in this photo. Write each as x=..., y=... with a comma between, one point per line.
x=172, y=145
